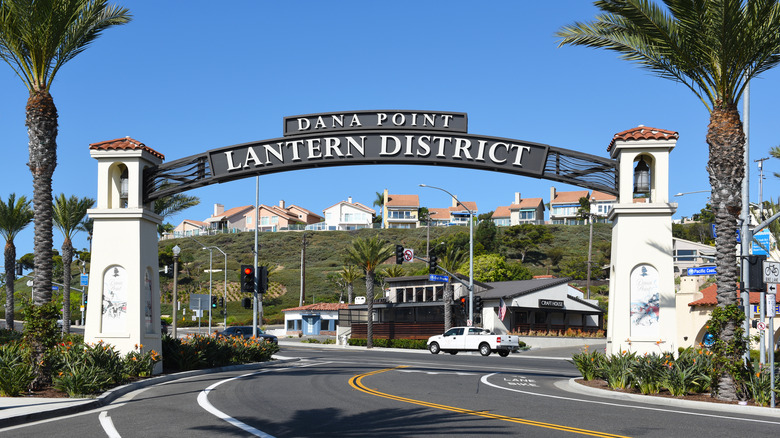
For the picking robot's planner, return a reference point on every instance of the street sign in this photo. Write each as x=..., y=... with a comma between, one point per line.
x=704, y=270
x=199, y=301
x=761, y=325
x=770, y=305
x=53, y=287
x=408, y=254
x=85, y=279
x=763, y=238
x=771, y=288
x=771, y=272
x=436, y=277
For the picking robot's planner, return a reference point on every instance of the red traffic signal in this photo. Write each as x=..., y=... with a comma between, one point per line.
x=247, y=278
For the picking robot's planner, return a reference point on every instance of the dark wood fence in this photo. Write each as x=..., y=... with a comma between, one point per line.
x=399, y=330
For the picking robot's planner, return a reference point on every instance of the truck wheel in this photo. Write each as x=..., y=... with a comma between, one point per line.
x=503, y=353
x=434, y=348
x=453, y=352
x=484, y=349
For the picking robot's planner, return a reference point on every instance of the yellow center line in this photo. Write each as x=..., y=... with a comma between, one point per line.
x=357, y=383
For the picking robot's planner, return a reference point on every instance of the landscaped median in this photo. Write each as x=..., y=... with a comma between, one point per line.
x=76, y=369
x=689, y=374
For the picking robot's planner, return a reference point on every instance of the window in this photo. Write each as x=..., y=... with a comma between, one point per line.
x=502, y=222
x=249, y=220
x=324, y=325
x=527, y=214
x=686, y=255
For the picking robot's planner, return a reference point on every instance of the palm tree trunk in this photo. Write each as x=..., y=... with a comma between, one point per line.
x=369, y=309
x=350, y=293
x=42, y=130
x=10, y=276
x=448, y=293
x=67, y=259
x=726, y=140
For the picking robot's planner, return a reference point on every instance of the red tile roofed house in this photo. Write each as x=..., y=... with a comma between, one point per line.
x=439, y=216
x=694, y=309
x=189, y=227
x=345, y=215
x=522, y=211
x=279, y=218
x=601, y=204
x=230, y=221
x=400, y=211
x=313, y=319
x=565, y=207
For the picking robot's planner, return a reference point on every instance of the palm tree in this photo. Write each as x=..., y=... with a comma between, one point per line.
x=37, y=37
x=86, y=226
x=348, y=275
x=168, y=206
x=15, y=215
x=714, y=48
x=368, y=254
x=68, y=216
x=451, y=260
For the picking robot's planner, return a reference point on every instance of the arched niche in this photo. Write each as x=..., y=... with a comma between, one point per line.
x=118, y=185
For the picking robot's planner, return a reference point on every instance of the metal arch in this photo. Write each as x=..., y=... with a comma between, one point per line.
x=583, y=170
x=562, y=165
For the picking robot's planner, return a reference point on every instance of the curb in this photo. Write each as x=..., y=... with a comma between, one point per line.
x=572, y=386
x=114, y=393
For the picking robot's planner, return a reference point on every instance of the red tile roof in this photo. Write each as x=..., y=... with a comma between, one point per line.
x=601, y=196
x=501, y=212
x=569, y=197
x=710, y=297
x=439, y=213
x=642, y=132
x=126, y=144
x=403, y=201
x=319, y=306
x=471, y=205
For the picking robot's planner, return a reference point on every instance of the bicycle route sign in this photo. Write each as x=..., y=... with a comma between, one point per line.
x=771, y=272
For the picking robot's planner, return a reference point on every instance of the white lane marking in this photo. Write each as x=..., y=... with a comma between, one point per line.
x=484, y=380
x=203, y=401
x=437, y=372
x=108, y=425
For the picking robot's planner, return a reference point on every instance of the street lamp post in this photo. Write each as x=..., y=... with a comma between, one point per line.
x=176, y=252
x=471, y=251
x=224, y=322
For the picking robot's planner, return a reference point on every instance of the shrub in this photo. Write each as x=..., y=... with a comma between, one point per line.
x=16, y=372
x=617, y=369
x=589, y=363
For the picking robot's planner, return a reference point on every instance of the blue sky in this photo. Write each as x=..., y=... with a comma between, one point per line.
x=186, y=77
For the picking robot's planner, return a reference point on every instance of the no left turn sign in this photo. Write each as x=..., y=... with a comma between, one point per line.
x=408, y=254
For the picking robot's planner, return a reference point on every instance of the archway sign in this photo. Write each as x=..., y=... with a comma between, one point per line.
x=380, y=137
x=124, y=301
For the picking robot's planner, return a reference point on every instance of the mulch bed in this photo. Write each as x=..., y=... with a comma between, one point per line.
x=704, y=397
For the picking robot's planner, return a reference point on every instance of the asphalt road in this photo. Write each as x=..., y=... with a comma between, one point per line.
x=357, y=393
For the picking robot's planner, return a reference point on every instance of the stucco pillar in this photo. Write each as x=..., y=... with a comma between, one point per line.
x=123, y=306
x=641, y=314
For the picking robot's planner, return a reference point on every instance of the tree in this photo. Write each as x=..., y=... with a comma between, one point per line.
x=68, y=215
x=368, y=254
x=15, y=215
x=485, y=234
x=452, y=258
x=526, y=237
x=714, y=48
x=37, y=37
x=491, y=267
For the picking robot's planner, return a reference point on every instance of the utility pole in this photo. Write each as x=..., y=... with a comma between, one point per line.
x=303, y=271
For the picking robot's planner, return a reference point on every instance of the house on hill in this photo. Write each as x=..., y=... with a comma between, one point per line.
x=522, y=211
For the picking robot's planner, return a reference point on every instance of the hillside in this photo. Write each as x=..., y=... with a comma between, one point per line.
x=325, y=251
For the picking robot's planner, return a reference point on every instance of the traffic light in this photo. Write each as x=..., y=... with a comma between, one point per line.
x=399, y=254
x=213, y=302
x=221, y=302
x=19, y=270
x=463, y=303
x=263, y=286
x=432, y=265
x=247, y=278
x=477, y=304
x=756, y=272
x=246, y=303
x=85, y=299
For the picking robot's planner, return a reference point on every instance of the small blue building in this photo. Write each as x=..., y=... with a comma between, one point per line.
x=313, y=319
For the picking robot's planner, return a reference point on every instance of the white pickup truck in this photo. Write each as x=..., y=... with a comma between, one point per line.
x=475, y=339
